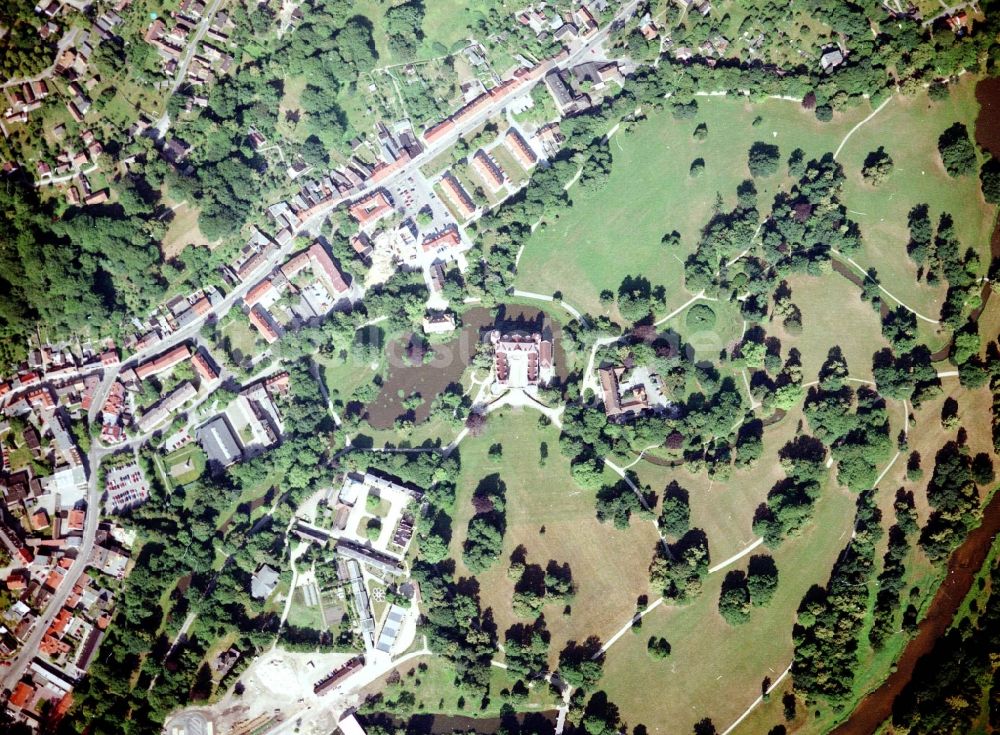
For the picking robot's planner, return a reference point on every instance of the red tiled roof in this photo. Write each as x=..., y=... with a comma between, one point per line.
x=259, y=320
x=448, y=237
x=439, y=130
x=162, y=362
x=490, y=171
x=459, y=197
x=60, y=622
x=202, y=306
x=322, y=261
x=520, y=148
x=22, y=693
x=371, y=207
x=75, y=520
x=40, y=519
x=51, y=646
x=295, y=265
x=202, y=367
x=257, y=293
x=53, y=580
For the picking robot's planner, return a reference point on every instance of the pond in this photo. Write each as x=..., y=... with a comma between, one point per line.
x=449, y=362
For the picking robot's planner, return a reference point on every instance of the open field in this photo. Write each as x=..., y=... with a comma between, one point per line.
x=725, y=510
x=917, y=177
x=343, y=378
x=515, y=173
x=715, y=670
x=183, y=231
x=432, y=682
x=304, y=615
x=615, y=232
x=240, y=339
x=833, y=314
x=609, y=566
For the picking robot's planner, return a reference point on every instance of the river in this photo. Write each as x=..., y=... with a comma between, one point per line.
x=968, y=558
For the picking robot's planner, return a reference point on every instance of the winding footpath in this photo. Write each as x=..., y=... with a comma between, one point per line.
x=851, y=132
x=885, y=291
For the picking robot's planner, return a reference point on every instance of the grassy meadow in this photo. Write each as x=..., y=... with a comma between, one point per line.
x=609, y=566
x=908, y=128
x=615, y=232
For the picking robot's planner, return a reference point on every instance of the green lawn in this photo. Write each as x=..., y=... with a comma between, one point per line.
x=343, y=378
x=715, y=670
x=241, y=339
x=917, y=177
x=833, y=314
x=614, y=232
x=546, y=497
x=516, y=175
x=435, y=690
x=19, y=458
x=433, y=430
x=191, y=453
x=303, y=615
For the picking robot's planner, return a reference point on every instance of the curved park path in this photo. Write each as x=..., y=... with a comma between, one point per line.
x=882, y=288
x=851, y=132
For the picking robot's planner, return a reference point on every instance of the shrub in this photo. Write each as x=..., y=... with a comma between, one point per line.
x=699, y=317
x=957, y=152
x=763, y=159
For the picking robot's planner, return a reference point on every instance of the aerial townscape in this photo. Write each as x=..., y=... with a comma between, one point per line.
x=605, y=367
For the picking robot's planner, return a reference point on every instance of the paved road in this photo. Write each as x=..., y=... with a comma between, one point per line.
x=192, y=46
x=27, y=652
x=98, y=452
x=470, y=124
x=63, y=44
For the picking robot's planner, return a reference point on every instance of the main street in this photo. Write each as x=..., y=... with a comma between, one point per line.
x=27, y=651
x=97, y=454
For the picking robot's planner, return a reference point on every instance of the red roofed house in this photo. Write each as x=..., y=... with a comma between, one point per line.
x=438, y=131
x=22, y=694
x=325, y=268
x=41, y=397
x=17, y=580
x=52, y=646
x=163, y=362
x=447, y=238
x=957, y=22
x=28, y=379
x=40, y=519
x=488, y=169
x=458, y=196
x=295, y=265
x=371, y=208
x=202, y=306
x=263, y=290
x=519, y=148
x=262, y=320
x=75, y=520
x=520, y=361
x=60, y=622
x=54, y=579
x=277, y=383
x=585, y=21
x=206, y=371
